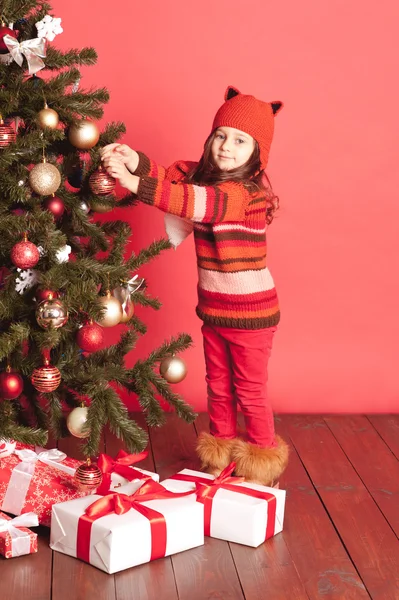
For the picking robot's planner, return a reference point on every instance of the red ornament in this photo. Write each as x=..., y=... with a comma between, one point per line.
x=42, y=294
x=88, y=477
x=101, y=183
x=7, y=135
x=5, y=31
x=90, y=337
x=11, y=384
x=24, y=254
x=46, y=378
x=55, y=205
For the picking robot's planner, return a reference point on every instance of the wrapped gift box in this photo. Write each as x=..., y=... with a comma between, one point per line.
x=122, y=470
x=245, y=513
x=32, y=480
x=148, y=526
x=15, y=537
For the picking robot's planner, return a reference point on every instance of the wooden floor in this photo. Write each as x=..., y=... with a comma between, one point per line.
x=340, y=537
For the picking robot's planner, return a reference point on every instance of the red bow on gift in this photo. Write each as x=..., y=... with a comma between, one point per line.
x=120, y=465
x=120, y=504
x=206, y=490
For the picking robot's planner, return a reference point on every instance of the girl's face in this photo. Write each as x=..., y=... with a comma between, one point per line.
x=231, y=148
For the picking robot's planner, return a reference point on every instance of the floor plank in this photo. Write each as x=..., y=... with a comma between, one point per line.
x=76, y=579
x=208, y=571
x=373, y=460
x=269, y=567
x=28, y=576
x=322, y=562
x=388, y=428
x=369, y=540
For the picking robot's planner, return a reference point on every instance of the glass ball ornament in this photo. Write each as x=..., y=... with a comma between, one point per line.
x=11, y=384
x=25, y=254
x=43, y=294
x=4, y=30
x=54, y=205
x=90, y=337
x=84, y=207
x=173, y=369
x=88, y=476
x=48, y=118
x=46, y=378
x=44, y=179
x=100, y=208
x=84, y=134
x=51, y=313
x=113, y=311
x=76, y=420
x=101, y=183
x=7, y=135
x=125, y=298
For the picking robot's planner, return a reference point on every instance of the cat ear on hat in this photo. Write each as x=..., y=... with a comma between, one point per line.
x=231, y=92
x=276, y=106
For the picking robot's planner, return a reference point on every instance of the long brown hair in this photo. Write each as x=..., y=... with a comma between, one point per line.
x=249, y=174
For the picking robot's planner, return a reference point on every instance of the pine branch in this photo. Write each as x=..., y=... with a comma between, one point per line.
x=55, y=59
x=154, y=415
x=182, y=409
x=147, y=254
x=11, y=340
x=10, y=429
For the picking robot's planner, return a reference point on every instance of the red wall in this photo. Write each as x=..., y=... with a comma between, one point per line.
x=333, y=248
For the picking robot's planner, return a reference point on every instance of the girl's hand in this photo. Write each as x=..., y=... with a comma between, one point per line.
x=118, y=170
x=126, y=155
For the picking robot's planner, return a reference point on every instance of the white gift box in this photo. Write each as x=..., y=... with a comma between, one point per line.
x=122, y=541
x=238, y=517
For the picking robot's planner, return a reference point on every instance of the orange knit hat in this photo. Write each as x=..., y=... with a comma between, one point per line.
x=250, y=115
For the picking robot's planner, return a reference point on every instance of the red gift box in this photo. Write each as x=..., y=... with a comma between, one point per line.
x=32, y=481
x=15, y=537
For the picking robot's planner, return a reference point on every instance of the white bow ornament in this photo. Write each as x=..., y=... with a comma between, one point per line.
x=31, y=49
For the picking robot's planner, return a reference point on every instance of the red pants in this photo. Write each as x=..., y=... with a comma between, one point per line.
x=236, y=372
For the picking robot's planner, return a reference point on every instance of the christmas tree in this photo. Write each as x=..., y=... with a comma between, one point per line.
x=65, y=275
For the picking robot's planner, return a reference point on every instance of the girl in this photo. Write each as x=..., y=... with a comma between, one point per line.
x=223, y=198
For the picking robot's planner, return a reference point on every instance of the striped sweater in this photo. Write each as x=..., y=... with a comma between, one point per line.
x=235, y=287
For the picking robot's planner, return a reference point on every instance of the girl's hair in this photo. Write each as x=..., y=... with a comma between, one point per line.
x=249, y=174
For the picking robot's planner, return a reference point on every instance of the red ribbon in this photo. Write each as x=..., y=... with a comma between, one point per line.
x=121, y=466
x=120, y=504
x=206, y=490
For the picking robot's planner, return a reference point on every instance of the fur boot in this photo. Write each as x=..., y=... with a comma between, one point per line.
x=214, y=453
x=260, y=465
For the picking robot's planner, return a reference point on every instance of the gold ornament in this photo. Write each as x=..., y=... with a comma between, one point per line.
x=76, y=420
x=46, y=378
x=44, y=179
x=51, y=313
x=84, y=135
x=113, y=314
x=48, y=118
x=100, y=208
x=124, y=296
x=173, y=369
x=88, y=477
